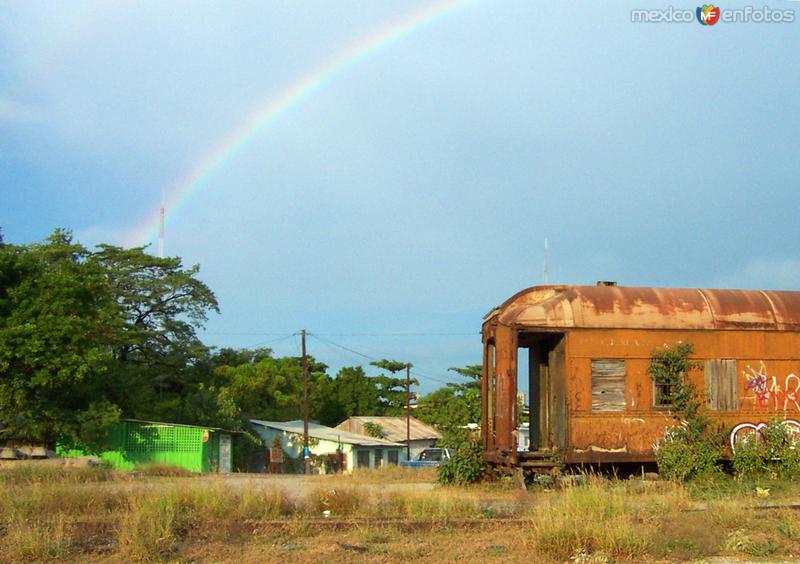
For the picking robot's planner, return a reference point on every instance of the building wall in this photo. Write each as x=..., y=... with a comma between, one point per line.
x=417, y=446
x=383, y=460
x=292, y=444
x=133, y=443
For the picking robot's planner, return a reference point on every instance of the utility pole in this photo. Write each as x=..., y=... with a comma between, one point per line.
x=306, y=454
x=408, y=411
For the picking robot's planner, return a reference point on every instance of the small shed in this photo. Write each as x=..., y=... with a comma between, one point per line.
x=132, y=442
x=358, y=451
x=394, y=429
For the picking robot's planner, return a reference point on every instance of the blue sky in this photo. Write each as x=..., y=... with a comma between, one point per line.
x=400, y=202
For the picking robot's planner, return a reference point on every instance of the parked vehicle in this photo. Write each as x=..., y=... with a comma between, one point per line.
x=430, y=458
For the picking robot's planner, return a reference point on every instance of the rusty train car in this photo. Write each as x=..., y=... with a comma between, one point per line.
x=587, y=350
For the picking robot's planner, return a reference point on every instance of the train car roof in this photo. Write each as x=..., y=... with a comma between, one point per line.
x=629, y=307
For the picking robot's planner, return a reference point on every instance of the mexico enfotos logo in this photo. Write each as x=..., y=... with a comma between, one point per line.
x=710, y=14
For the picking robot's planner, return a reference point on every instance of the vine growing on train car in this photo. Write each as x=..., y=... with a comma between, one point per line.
x=691, y=447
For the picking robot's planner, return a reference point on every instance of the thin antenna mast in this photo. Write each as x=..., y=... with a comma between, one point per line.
x=161, y=228
x=546, y=260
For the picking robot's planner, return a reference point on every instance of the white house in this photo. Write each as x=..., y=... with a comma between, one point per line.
x=394, y=429
x=359, y=451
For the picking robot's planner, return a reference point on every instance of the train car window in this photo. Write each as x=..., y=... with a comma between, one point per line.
x=722, y=385
x=608, y=385
x=662, y=392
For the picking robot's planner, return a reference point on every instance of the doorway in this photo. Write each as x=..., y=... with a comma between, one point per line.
x=547, y=389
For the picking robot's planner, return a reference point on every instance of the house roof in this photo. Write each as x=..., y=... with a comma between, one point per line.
x=164, y=424
x=394, y=428
x=649, y=308
x=325, y=433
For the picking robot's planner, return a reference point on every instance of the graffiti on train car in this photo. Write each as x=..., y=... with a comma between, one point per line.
x=767, y=392
x=745, y=432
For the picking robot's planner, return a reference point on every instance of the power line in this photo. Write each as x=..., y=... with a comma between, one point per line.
x=371, y=358
x=266, y=334
x=329, y=342
x=473, y=334
x=274, y=341
x=246, y=334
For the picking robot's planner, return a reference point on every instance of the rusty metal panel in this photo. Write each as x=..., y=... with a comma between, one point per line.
x=740, y=308
x=506, y=386
x=786, y=306
x=559, y=307
x=558, y=394
x=604, y=434
x=608, y=385
x=488, y=389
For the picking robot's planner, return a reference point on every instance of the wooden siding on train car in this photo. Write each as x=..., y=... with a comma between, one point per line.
x=632, y=430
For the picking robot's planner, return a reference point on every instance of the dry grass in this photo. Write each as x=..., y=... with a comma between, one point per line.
x=52, y=471
x=387, y=474
x=379, y=518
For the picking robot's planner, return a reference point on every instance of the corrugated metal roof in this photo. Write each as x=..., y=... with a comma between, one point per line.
x=325, y=433
x=394, y=427
x=650, y=308
x=162, y=423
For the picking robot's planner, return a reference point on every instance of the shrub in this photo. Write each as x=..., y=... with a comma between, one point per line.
x=680, y=457
x=772, y=450
x=374, y=430
x=467, y=465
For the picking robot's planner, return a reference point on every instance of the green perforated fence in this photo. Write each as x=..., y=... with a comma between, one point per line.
x=132, y=443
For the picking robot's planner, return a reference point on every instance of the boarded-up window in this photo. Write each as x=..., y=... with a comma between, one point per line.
x=721, y=385
x=608, y=385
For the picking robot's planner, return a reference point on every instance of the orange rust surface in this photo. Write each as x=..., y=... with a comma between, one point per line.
x=649, y=308
x=759, y=330
x=620, y=432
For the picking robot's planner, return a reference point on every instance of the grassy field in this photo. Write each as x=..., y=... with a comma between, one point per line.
x=54, y=513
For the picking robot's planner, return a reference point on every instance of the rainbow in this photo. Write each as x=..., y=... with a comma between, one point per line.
x=181, y=191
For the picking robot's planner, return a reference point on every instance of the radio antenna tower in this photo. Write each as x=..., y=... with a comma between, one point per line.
x=161, y=228
x=546, y=260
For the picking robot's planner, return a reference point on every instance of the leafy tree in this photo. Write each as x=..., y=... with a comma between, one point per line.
x=268, y=388
x=235, y=357
x=158, y=358
x=350, y=393
x=87, y=337
x=392, y=389
x=58, y=323
x=162, y=303
x=455, y=405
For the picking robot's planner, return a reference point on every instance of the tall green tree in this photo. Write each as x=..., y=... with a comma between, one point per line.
x=392, y=389
x=86, y=337
x=58, y=324
x=350, y=393
x=158, y=358
x=455, y=405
